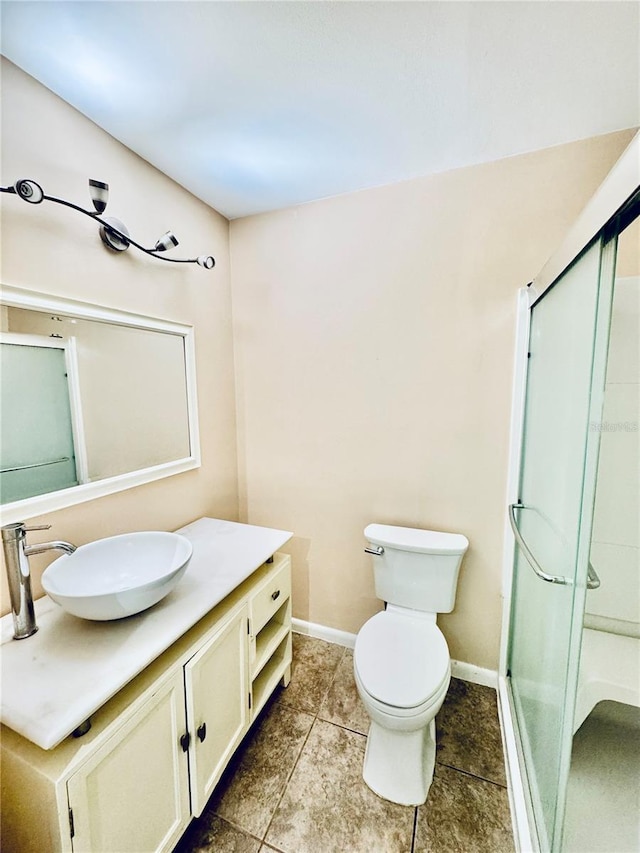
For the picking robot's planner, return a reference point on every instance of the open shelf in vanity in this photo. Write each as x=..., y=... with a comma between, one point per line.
x=270, y=636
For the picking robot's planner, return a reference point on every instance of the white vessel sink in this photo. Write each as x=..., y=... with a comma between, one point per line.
x=119, y=576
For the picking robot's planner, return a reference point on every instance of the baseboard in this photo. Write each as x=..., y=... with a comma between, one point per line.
x=474, y=674
x=321, y=632
x=459, y=669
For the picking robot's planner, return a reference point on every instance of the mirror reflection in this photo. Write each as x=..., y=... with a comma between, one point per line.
x=84, y=400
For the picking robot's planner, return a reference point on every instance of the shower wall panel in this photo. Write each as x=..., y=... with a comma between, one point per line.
x=615, y=548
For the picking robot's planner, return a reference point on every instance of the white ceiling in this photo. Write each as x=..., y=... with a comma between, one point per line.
x=254, y=106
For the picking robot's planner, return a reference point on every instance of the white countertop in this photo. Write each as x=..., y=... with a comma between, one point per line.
x=55, y=679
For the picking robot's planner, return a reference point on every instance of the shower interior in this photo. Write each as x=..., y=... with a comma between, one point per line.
x=603, y=800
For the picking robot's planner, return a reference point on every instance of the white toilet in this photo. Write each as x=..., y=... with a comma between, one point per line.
x=401, y=659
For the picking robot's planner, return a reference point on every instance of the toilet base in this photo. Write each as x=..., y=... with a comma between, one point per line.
x=398, y=766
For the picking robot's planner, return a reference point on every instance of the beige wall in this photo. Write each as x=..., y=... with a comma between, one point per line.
x=55, y=250
x=374, y=341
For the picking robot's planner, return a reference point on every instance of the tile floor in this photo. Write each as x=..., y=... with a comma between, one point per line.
x=295, y=783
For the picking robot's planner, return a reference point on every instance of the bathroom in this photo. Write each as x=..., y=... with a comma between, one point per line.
x=332, y=391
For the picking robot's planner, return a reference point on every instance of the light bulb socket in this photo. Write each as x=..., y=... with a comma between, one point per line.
x=99, y=193
x=111, y=238
x=167, y=241
x=29, y=191
x=206, y=261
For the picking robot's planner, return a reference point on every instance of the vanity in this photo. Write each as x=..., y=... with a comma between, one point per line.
x=166, y=695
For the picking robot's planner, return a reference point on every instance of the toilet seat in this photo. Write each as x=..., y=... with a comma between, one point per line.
x=403, y=719
x=402, y=661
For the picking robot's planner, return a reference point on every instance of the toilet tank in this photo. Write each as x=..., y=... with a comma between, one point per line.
x=418, y=568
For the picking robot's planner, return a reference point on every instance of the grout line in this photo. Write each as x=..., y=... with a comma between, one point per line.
x=268, y=707
x=312, y=713
x=271, y=846
x=472, y=775
x=333, y=722
x=288, y=779
x=295, y=764
x=235, y=826
x=341, y=726
x=415, y=830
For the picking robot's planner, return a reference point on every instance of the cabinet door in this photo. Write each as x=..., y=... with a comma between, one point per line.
x=132, y=795
x=217, y=692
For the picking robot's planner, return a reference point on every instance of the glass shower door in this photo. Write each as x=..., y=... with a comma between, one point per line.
x=37, y=452
x=552, y=522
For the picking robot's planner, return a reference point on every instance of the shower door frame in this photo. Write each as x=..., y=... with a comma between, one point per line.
x=620, y=185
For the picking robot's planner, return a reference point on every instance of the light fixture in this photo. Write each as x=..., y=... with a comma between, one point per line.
x=167, y=241
x=113, y=233
x=29, y=191
x=99, y=195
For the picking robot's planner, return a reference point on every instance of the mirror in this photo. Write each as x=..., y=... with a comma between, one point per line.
x=93, y=401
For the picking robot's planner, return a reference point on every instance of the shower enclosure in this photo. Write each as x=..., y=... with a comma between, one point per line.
x=557, y=426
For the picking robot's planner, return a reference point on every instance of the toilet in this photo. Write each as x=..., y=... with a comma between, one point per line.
x=401, y=659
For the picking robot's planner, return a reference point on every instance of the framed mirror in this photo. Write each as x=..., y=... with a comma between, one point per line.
x=93, y=401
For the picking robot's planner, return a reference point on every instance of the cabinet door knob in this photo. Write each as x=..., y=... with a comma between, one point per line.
x=184, y=741
x=202, y=732
x=275, y=594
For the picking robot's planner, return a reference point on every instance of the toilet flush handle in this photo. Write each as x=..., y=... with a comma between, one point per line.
x=378, y=551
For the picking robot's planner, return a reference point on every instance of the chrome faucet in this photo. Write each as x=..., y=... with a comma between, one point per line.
x=16, y=554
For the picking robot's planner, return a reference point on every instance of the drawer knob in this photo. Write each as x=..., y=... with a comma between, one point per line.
x=275, y=594
x=202, y=732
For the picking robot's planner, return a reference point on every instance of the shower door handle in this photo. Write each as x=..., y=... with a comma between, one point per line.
x=535, y=565
x=593, y=581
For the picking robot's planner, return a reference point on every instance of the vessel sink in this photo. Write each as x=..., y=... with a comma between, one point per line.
x=119, y=576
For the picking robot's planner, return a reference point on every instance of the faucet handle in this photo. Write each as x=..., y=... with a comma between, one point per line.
x=37, y=527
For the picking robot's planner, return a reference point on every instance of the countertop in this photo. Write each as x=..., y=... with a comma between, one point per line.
x=54, y=680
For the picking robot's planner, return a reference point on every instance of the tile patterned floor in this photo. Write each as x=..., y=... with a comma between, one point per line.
x=295, y=784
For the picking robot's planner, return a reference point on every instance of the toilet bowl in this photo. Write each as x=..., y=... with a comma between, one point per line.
x=402, y=672
x=401, y=659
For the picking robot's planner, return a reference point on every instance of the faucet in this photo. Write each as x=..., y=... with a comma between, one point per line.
x=16, y=553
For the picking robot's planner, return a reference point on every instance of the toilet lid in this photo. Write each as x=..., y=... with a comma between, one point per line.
x=401, y=660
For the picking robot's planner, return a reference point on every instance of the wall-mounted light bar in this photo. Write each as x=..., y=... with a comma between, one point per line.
x=114, y=234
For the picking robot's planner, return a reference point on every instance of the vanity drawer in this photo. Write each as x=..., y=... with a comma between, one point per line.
x=270, y=597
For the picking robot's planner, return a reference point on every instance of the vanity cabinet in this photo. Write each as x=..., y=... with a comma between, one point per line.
x=155, y=751
x=217, y=700
x=132, y=793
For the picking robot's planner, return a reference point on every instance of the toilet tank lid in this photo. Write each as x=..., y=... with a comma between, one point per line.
x=413, y=539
